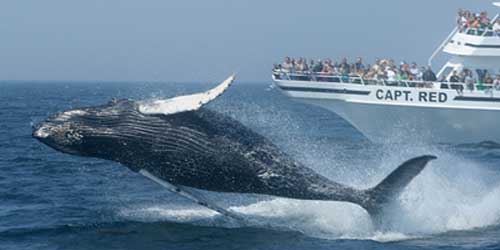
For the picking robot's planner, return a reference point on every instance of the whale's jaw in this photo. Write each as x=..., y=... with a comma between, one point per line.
x=58, y=132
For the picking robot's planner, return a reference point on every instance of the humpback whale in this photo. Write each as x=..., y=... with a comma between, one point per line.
x=180, y=143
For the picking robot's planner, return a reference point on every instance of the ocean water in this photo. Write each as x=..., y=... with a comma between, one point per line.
x=49, y=200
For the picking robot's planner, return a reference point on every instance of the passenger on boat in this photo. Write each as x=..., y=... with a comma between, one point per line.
x=420, y=75
x=391, y=74
x=469, y=80
x=403, y=75
x=496, y=82
x=287, y=64
x=454, y=77
x=300, y=66
x=484, y=21
x=415, y=71
x=317, y=67
x=359, y=66
x=442, y=79
x=429, y=75
x=461, y=20
x=344, y=64
x=496, y=27
x=488, y=79
x=328, y=68
x=304, y=65
x=455, y=82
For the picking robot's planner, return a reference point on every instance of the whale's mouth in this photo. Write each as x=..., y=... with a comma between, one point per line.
x=46, y=133
x=59, y=132
x=58, y=137
x=56, y=124
x=41, y=132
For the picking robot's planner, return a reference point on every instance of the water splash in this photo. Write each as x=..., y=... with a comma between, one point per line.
x=168, y=213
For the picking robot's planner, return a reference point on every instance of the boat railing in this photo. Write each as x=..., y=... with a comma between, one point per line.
x=484, y=32
x=359, y=80
x=318, y=77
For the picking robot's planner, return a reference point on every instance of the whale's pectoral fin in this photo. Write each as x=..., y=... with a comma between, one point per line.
x=390, y=188
x=192, y=197
x=187, y=102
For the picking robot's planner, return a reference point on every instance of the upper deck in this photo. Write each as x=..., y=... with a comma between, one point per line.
x=470, y=43
x=478, y=40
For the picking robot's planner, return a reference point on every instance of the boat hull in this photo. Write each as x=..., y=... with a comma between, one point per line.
x=386, y=124
x=455, y=120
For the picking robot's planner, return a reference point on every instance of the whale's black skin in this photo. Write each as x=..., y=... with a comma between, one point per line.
x=206, y=150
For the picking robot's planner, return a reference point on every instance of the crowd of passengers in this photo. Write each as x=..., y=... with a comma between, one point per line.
x=478, y=21
x=383, y=69
x=483, y=81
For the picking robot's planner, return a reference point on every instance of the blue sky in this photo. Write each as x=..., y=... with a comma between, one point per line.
x=162, y=40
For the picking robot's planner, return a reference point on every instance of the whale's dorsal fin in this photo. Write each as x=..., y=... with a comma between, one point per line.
x=186, y=102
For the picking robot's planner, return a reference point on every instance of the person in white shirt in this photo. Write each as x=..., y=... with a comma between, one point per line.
x=496, y=27
x=420, y=74
x=391, y=75
x=414, y=70
x=496, y=82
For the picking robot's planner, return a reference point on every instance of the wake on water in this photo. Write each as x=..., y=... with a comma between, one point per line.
x=453, y=193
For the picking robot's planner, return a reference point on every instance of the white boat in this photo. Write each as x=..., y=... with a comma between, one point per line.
x=437, y=112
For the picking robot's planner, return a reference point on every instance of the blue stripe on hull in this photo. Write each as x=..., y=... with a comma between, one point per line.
x=477, y=99
x=323, y=90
